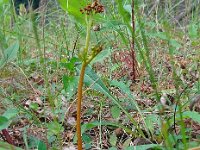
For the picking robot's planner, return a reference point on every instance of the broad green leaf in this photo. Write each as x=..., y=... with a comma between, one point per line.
x=88, y=146
x=113, y=139
x=115, y=111
x=6, y=146
x=193, y=31
x=112, y=148
x=151, y=120
x=42, y=145
x=172, y=50
x=101, y=56
x=174, y=43
x=122, y=86
x=73, y=8
x=10, y=113
x=34, y=106
x=114, y=25
x=128, y=8
x=173, y=140
x=70, y=85
x=55, y=127
x=4, y=122
x=123, y=11
x=86, y=138
x=63, y=4
x=195, y=116
x=194, y=144
x=71, y=64
x=3, y=2
x=9, y=54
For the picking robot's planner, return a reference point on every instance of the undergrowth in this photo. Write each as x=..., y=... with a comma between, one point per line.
x=40, y=64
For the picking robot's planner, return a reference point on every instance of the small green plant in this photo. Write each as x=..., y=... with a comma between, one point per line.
x=86, y=17
x=9, y=54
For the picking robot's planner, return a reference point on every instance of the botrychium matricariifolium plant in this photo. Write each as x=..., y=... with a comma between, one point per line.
x=86, y=56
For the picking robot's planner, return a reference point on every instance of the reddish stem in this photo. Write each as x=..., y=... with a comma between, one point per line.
x=79, y=100
x=133, y=43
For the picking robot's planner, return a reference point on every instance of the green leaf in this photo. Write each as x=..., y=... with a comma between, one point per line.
x=71, y=64
x=101, y=56
x=128, y=8
x=73, y=8
x=86, y=138
x=113, y=139
x=88, y=146
x=6, y=146
x=123, y=11
x=3, y=2
x=195, y=116
x=151, y=120
x=114, y=25
x=115, y=111
x=122, y=86
x=172, y=50
x=174, y=43
x=193, y=31
x=4, y=122
x=63, y=4
x=70, y=85
x=34, y=106
x=10, y=113
x=42, y=145
x=55, y=127
x=9, y=54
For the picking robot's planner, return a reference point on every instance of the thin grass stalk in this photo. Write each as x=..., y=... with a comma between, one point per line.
x=177, y=97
